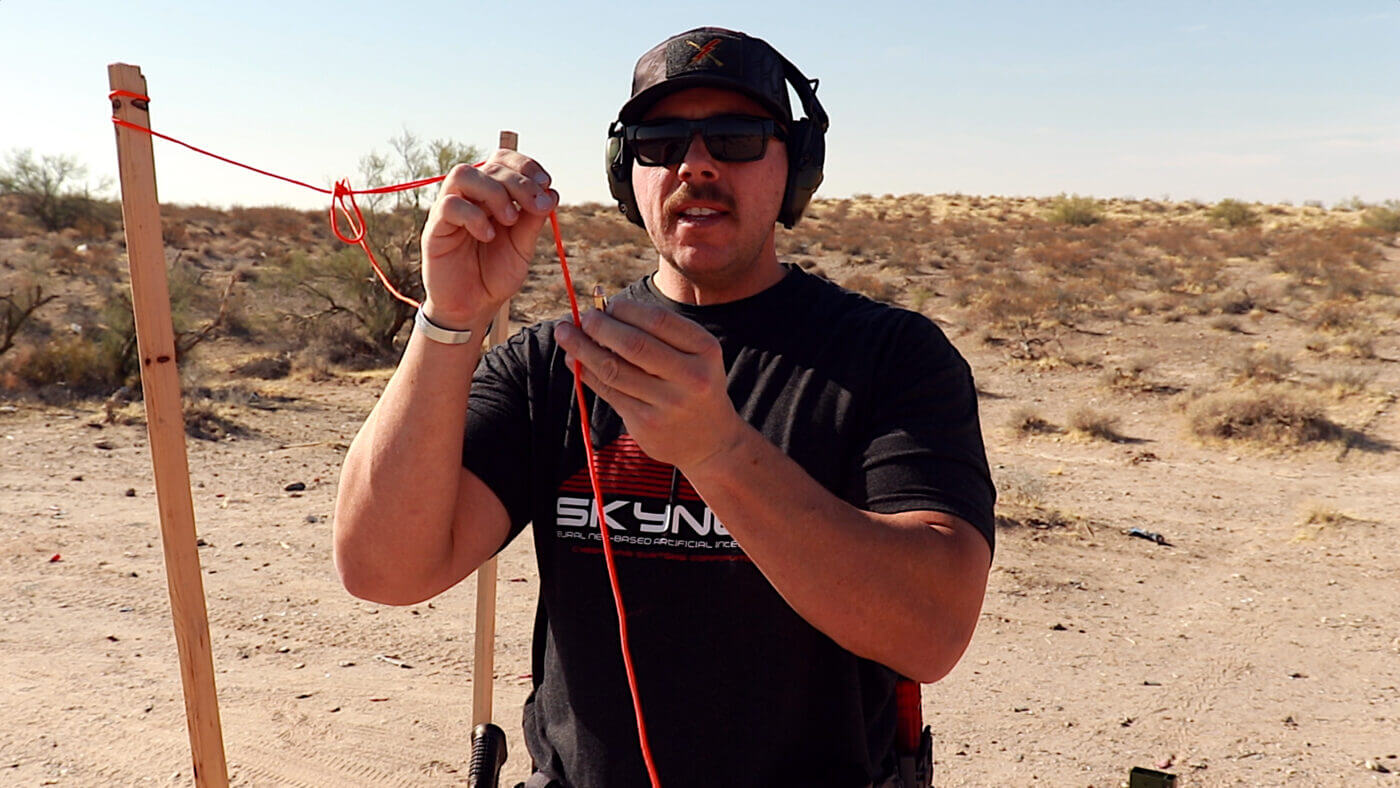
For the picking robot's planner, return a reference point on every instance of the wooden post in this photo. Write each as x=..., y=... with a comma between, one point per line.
x=484, y=658
x=165, y=424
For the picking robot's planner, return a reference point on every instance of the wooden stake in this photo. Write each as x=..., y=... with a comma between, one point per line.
x=484, y=658
x=165, y=424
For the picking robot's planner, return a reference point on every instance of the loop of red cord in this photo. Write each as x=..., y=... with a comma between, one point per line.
x=342, y=195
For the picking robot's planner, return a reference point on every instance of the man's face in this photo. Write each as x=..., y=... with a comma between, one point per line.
x=712, y=220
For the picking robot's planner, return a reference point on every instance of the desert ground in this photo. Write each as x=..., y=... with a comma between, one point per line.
x=1226, y=381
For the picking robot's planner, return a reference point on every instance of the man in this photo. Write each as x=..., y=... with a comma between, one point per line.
x=793, y=475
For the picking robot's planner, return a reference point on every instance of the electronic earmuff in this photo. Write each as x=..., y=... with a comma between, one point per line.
x=806, y=150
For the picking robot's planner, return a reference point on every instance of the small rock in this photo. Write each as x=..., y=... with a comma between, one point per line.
x=1377, y=766
x=131, y=492
x=1059, y=628
x=295, y=487
x=311, y=518
x=78, y=478
x=200, y=542
x=104, y=445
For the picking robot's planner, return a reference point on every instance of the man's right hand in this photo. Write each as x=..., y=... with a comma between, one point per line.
x=480, y=236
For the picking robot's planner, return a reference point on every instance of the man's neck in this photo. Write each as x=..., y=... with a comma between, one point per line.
x=677, y=286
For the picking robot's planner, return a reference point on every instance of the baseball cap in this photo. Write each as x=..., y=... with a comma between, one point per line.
x=709, y=57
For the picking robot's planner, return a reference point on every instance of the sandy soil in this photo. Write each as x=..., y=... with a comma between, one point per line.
x=1253, y=650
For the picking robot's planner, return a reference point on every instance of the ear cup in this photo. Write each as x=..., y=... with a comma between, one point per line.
x=619, y=162
x=806, y=154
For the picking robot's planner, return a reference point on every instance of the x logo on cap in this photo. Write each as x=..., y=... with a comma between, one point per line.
x=705, y=52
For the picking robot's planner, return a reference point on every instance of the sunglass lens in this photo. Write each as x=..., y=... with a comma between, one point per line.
x=735, y=139
x=661, y=145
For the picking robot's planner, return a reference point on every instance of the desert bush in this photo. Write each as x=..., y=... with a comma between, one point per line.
x=1271, y=416
x=77, y=364
x=1334, y=314
x=17, y=306
x=1090, y=423
x=1233, y=213
x=1384, y=217
x=1227, y=324
x=871, y=286
x=1074, y=210
x=1260, y=365
x=1247, y=242
x=204, y=421
x=1026, y=421
x=49, y=189
x=1347, y=382
x=272, y=367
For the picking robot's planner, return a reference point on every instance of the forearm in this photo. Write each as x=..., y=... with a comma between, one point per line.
x=399, y=483
x=904, y=590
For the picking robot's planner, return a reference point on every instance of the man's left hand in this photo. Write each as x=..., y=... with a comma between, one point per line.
x=663, y=374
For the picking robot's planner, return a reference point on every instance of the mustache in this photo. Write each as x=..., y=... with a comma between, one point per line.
x=703, y=192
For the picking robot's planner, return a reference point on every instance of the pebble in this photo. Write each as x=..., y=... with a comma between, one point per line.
x=295, y=487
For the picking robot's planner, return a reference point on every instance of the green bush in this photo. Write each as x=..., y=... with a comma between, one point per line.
x=1233, y=213
x=1384, y=217
x=1074, y=210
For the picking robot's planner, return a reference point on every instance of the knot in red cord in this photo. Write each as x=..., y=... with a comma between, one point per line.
x=340, y=196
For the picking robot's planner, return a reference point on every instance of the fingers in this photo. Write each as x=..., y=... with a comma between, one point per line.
x=604, y=367
x=684, y=335
x=640, y=348
x=503, y=186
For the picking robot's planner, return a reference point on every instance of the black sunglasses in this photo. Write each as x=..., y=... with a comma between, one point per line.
x=664, y=143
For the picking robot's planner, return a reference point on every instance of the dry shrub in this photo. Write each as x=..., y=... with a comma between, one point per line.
x=1337, y=258
x=871, y=286
x=274, y=367
x=1261, y=365
x=203, y=421
x=1062, y=254
x=1026, y=421
x=1227, y=323
x=75, y=365
x=1347, y=382
x=268, y=222
x=1090, y=423
x=1272, y=416
x=1246, y=242
x=1334, y=315
x=1315, y=518
x=1180, y=239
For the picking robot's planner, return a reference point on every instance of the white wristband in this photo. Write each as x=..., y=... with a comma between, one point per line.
x=446, y=336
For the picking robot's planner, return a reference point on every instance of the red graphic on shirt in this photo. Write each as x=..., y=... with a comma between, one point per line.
x=645, y=516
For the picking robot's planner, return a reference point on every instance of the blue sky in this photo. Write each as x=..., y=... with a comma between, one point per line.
x=1253, y=100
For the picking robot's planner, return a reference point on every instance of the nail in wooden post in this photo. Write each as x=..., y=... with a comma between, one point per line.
x=165, y=424
x=484, y=658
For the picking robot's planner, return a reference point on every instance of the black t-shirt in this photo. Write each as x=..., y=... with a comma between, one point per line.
x=736, y=688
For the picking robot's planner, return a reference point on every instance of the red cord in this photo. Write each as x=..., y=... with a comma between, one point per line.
x=355, y=219
x=603, y=517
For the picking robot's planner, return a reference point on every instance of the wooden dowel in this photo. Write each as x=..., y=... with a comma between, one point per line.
x=165, y=424
x=484, y=657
